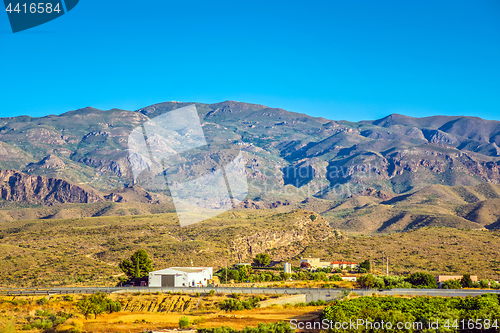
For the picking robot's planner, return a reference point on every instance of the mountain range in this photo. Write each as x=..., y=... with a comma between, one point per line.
x=390, y=174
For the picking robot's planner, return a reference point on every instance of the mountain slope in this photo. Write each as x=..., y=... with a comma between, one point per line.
x=289, y=157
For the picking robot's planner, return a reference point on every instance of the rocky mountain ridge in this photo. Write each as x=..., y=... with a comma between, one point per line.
x=39, y=190
x=289, y=157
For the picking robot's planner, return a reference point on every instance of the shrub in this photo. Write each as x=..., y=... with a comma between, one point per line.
x=97, y=304
x=251, y=303
x=42, y=324
x=236, y=305
x=199, y=321
x=231, y=305
x=466, y=281
x=422, y=280
x=27, y=327
x=335, y=277
x=451, y=284
x=42, y=301
x=184, y=322
x=317, y=303
x=280, y=327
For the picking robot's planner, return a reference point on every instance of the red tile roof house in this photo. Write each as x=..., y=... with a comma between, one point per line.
x=343, y=264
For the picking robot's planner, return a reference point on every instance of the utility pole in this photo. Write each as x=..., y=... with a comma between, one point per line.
x=387, y=266
x=383, y=255
x=226, y=272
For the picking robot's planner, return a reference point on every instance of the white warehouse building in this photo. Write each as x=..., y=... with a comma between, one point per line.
x=181, y=277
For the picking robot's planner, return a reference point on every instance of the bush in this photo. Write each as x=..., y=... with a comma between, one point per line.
x=335, y=277
x=42, y=324
x=466, y=281
x=27, y=327
x=367, y=281
x=199, y=321
x=251, y=303
x=231, y=305
x=451, y=284
x=43, y=313
x=422, y=280
x=317, y=303
x=42, y=301
x=280, y=327
x=184, y=322
x=97, y=304
x=236, y=305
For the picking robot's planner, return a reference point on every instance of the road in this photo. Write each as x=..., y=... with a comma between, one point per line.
x=313, y=294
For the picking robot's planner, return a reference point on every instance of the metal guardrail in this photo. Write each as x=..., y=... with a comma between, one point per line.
x=229, y=290
x=225, y=290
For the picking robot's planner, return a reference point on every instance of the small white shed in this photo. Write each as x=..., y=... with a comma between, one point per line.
x=181, y=277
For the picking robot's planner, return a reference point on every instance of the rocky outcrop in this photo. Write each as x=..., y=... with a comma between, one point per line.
x=132, y=194
x=48, y=162
x=17, y=186
x=104, y=165
x=250, y=204
x=284, y=243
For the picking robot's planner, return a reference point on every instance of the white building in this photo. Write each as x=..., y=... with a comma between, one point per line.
x=348, y=278
x=181, y=277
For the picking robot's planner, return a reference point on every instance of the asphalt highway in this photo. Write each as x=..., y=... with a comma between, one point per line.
x=324, y=294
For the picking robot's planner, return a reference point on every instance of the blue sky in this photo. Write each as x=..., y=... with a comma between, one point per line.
x=336, y=59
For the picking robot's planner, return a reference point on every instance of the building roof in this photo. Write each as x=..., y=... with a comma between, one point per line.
x=442, y=278
x=177, y=270
x=343, y=263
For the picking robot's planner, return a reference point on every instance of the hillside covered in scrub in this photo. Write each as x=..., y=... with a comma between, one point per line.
x=87, y=251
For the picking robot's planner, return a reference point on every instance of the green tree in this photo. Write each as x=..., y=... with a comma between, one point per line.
x=365, y=265
x=245, y=272
x=422, y=280
x=367, y=281
x=97, y=304
x=466, y=281
x=233, y=274
x=138, y=266
x=262, y=259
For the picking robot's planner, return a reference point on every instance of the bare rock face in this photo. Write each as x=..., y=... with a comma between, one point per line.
x=371, y=192
x=48, y=162
x=17, y=186
x=104, y=165
x=133, y=193
x=287, y=242
x=250, y=204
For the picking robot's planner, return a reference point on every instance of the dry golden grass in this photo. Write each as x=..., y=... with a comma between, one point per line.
x=133, y=322
x=126, y=321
